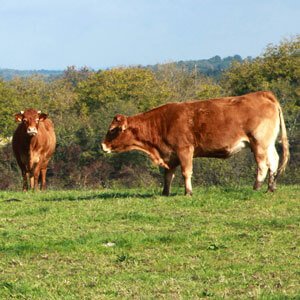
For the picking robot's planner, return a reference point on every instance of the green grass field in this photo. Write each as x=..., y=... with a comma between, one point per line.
x=230, y=243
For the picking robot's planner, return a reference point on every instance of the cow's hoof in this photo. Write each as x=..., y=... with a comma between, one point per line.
x=271, y=189
x=165, y=193
x=189, y=193
x=257, y=185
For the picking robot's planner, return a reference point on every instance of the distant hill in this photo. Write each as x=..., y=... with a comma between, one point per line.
x=212, y=67
x=8, y=74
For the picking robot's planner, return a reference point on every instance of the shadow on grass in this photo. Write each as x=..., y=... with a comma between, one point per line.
x=12, y=200
x=99, y=196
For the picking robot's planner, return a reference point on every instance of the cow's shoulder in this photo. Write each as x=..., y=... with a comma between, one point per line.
x=48, y=125
x=19, y=134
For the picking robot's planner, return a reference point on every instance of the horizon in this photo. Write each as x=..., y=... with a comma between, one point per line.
x=124, y=66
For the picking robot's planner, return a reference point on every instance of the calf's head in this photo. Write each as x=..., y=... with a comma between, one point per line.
x=30, y=119
x=119, y=137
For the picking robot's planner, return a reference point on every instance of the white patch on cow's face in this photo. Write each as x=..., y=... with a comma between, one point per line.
x=105, y=148
x=32, y=131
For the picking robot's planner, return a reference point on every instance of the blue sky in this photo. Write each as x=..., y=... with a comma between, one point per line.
x=54, y=34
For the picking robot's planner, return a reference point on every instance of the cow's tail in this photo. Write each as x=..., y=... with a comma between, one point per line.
x=284, y=143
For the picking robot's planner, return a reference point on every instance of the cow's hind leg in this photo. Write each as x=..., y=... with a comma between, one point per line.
x=186, y=162
x=273, y=160
x=261, y=158
x=168, y=178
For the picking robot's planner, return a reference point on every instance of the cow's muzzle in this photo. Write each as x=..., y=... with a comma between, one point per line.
x=32, y=131
x=105, y=148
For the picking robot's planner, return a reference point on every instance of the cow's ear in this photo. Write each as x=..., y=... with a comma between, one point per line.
x=121, y=121
x=19, y=116
x=42, y=116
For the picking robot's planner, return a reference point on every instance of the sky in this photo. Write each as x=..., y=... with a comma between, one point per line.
x=99, y=34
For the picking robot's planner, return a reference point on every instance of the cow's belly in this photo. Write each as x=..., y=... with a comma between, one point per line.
x=221, y=151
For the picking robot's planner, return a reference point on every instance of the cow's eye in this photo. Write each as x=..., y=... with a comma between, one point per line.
x=24, y=120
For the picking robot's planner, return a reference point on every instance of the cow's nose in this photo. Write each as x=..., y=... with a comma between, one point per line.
x=31, y=131
x=105, y=148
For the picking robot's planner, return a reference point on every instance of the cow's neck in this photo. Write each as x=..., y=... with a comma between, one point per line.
x=145, y=139
x=30, y=142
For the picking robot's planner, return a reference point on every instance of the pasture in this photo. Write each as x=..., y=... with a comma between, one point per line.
x=230, y=243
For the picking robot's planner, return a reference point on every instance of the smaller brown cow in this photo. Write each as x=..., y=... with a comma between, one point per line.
x=33, y=145
x=174, y=133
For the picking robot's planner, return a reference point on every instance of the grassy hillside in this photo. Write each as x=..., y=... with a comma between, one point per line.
x=134, y=244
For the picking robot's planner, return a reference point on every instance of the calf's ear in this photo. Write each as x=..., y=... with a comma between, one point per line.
x=42, y=116
x=19, y=116
x=121, y=121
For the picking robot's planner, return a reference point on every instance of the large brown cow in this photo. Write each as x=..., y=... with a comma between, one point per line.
x=33, y=145
x=174, y=133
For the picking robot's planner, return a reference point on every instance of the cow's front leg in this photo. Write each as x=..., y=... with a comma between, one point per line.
x=186, y=162
x=31, y=176
x=43, y=177
x=25, y=180
x=34, y=178
x=168, y=178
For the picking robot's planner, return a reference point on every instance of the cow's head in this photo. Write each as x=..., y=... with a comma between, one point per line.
x=119, y=137
x=31, y=119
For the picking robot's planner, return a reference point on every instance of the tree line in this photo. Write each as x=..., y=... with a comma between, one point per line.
x=82, y=103
x=211, y=67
